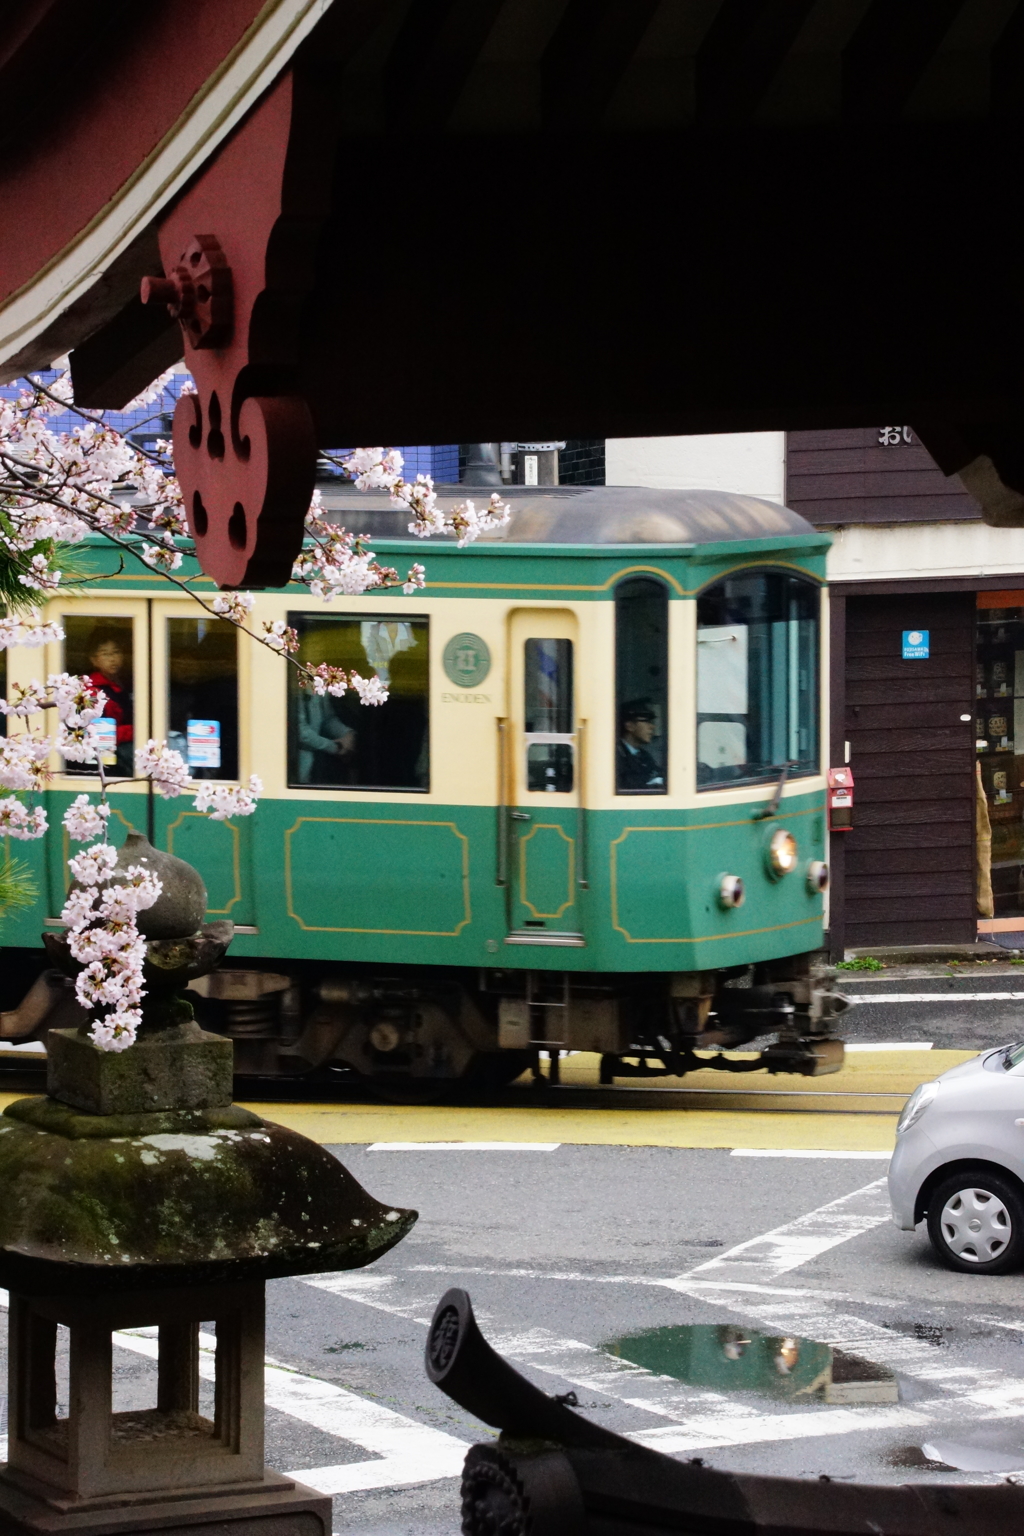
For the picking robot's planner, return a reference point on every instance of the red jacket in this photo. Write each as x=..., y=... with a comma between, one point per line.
x=118, y=706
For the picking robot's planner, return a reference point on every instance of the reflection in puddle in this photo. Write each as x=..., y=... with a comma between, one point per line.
x=728, y=1358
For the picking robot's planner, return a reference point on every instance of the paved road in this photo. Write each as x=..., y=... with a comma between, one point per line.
x=571, y=1253
x=957, y=1007
x=574, y=1255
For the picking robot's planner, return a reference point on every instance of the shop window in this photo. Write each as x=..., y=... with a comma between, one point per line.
x=102, y=650
x=641, y=688
x=548, y=715
x=757, y=679
x=999, y=741
x=202, y=695
x=342, y=744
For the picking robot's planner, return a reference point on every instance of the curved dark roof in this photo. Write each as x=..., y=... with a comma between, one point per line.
x=606, y=514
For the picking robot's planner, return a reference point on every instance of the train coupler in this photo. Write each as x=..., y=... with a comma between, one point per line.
x=815, y=1057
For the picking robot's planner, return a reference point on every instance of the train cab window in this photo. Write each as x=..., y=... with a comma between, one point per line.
x=342, y=744
x=102, y=650
x=757, y=679
x=548, y=715
x=641, y=688
x=202, y=695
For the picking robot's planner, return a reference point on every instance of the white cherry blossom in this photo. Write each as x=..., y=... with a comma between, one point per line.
x=84, y=821
x=93, y=864
x=16, y=820
x=159, y=762
x=220, y=801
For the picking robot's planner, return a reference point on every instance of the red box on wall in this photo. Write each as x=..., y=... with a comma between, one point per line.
x=840, y=799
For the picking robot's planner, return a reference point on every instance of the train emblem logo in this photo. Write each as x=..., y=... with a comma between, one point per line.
x=467, y=660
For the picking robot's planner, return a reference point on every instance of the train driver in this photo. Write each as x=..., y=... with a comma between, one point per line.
x=636, y=767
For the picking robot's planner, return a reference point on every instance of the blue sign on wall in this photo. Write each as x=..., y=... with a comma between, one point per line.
x=915, y=644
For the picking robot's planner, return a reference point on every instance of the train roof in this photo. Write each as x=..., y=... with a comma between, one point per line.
x=592, y=515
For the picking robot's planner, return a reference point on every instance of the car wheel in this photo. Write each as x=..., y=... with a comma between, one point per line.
x=976, y=1222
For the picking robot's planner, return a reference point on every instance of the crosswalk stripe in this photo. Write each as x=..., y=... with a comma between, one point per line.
x=797, y=1242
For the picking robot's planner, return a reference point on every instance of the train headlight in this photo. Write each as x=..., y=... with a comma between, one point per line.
x=817, y=877
x=782, y=853
x=730, y=891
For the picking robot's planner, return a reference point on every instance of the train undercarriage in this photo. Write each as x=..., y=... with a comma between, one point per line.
x=422, y=1031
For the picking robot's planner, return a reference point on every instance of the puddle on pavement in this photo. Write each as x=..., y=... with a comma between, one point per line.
x=726, y=1358
x=975, y=1455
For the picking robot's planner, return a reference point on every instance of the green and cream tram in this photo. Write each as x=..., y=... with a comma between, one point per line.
x=590, y=817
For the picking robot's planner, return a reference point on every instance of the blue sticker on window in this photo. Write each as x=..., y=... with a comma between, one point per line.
x=915, y=644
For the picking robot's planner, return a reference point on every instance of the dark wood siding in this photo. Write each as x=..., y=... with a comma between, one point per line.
x=850, y=477
x=909, y=861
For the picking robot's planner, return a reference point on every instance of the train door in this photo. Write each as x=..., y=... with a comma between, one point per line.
x=544, y=807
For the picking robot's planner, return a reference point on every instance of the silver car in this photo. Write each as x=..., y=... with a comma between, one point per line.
x=959, y=1162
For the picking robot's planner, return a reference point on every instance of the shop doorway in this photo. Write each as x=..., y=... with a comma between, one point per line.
x=999, y=742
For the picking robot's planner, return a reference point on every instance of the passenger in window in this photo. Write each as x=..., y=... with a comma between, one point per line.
x=326, y=744
x=109, y=674
x=635, y=767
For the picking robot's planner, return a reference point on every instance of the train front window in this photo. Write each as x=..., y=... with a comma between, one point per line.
x=641, y=688
x=101, y=650
x=757, y=679
x=202, y=695
x=338, y=743
x=548, y=715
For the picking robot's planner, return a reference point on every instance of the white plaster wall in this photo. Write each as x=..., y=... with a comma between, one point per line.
x=753, y=463
x=909, y=550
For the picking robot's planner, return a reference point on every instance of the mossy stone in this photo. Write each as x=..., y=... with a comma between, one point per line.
x=182, y=1067
x=199, y=1202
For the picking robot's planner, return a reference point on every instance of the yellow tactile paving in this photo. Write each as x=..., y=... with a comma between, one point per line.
x=833, y=1113
x=642, y=1127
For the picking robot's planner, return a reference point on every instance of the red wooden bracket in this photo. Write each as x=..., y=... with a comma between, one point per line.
x=244, y=444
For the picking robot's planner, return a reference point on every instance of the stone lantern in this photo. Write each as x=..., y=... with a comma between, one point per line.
x=136, y=1194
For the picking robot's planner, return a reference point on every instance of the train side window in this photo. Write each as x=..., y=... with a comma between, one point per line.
x=202, y=695
x=641, y=688
x=342, y=744
x=3, y=690
x=757, y=679
x=102, y=650
x=548, y=715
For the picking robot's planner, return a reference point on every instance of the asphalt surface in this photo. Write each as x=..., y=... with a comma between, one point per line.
x=569, y=1255
x=573, y=1255
x=955, y=1007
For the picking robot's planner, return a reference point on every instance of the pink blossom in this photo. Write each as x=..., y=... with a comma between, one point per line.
x=16, y=820
x=84, y=821
x=93, y=865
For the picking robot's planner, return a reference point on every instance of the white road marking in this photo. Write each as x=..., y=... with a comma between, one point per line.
x=935, y=997
x=888, y=1045
x=797, y=1242
x=464, y=1146
x=801, y=1152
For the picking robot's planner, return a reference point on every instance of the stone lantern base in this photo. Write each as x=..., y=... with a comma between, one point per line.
x=278, y=1508
x=168, y=1468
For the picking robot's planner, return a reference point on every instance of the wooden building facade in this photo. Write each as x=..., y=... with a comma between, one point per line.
x=911, y=725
